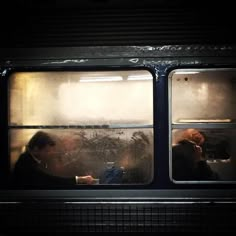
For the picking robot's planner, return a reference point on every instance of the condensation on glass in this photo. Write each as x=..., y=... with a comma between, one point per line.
x=99, y=119
x=203, y=110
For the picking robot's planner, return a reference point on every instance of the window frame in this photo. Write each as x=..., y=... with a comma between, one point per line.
x=77, y=126
x=198, y=125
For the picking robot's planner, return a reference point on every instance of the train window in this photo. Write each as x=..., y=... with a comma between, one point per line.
x=101, y=122
x=203, y=127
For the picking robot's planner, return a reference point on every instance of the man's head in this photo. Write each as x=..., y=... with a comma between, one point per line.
x=40, y=140
x=194, y=136
x=42, y=145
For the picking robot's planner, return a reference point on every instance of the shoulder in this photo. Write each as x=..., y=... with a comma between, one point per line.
x=24, y=160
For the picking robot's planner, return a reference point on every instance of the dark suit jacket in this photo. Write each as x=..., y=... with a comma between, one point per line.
x=183, y=165
x=28, y=173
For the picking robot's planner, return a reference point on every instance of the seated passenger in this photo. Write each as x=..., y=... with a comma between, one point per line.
x=31, y=167
x=188, y=164
x=193, y=135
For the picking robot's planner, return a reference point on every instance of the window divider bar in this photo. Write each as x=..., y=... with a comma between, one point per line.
x=204, y=125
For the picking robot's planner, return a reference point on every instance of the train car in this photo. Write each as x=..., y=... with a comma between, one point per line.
x=117, y=118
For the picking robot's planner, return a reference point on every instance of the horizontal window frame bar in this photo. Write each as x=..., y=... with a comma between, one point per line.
x=78, y=126
x=204, y=125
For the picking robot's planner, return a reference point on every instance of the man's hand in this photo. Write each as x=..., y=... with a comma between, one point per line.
x=87, y=179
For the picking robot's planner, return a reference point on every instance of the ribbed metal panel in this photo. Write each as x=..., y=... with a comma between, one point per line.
x=124, y=26
x=117, y=217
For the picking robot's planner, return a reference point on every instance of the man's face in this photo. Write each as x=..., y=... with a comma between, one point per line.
x=46, y=154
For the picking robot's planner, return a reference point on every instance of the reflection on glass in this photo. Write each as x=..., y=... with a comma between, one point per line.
x=203, y=125
x=81, y=98
x=207, y=96
x=102, y=121
x=218, y=150
x=93, y=151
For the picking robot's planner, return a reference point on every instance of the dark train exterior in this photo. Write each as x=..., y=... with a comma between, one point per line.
x=188, y=69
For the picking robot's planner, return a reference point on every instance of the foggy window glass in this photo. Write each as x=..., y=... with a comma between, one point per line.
x=203, y=96
x=101, y=124
x=203, y=128
x=81, y=98
x=95, y=152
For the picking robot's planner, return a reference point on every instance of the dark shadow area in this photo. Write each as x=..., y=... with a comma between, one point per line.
x=115, y=23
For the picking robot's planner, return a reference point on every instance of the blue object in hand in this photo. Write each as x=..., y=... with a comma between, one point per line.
x=112, y=175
